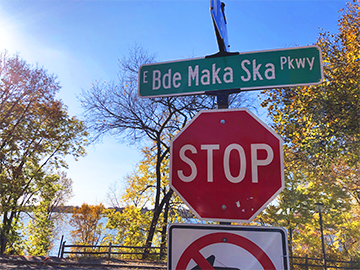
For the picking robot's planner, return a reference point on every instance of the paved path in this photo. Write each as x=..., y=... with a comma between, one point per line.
x=54, y=263
x=7, y=266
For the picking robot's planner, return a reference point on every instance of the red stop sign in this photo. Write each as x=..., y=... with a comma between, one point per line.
x=227, y=165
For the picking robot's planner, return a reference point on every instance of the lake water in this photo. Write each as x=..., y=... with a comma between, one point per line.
x=66, y=228
x=63, y=230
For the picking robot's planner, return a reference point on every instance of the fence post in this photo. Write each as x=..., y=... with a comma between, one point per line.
x=61, y=241
x=351, y=264
x=161, y=253
x=110, y=245
x=306, y=262
x=62, y=249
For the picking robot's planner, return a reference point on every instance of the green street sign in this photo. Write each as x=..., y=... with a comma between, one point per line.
x=246, y=71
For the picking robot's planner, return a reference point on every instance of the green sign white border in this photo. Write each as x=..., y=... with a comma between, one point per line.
x=239, y=89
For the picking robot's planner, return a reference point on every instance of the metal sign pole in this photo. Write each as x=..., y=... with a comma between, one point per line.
x=222, y=97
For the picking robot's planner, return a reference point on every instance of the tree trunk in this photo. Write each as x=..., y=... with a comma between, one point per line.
x=4, y=231
x=3, y=241
x=164, y=229
x=154, y=221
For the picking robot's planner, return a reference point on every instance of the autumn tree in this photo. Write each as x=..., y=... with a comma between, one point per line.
x=88, y=229
x=295, y=210
x=56, y=189
x=321, y=130
x=36, y=135
x=138, y=199
x=130, y=223
x=321, y=122
x=115, y=108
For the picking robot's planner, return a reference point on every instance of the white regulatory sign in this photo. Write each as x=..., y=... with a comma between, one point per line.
x=192, y=247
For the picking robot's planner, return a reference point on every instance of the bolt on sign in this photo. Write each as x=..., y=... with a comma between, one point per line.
x=246, y=71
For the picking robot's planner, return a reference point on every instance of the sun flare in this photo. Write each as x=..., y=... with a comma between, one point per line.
x=7, y=33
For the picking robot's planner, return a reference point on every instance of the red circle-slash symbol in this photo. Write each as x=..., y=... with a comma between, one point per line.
x=193, y=251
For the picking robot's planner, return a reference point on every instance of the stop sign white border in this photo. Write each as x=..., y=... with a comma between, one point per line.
x=281, y=164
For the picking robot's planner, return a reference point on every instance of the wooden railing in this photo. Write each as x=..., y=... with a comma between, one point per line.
x=109, y=250
x=305, y=263
x=296, y=263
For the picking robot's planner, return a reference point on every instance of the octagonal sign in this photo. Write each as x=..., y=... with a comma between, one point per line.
x=227, y=165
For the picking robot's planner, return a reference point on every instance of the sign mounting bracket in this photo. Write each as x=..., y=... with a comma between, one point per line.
x=222, y=97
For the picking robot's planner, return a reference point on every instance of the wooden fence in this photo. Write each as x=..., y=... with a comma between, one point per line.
x=305, y=263
x=109, y=250
x=296, y=263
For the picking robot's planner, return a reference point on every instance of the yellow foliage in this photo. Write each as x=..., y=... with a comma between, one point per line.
x=86, y=221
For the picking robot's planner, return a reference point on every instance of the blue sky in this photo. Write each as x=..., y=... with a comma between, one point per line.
x=81, y=41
